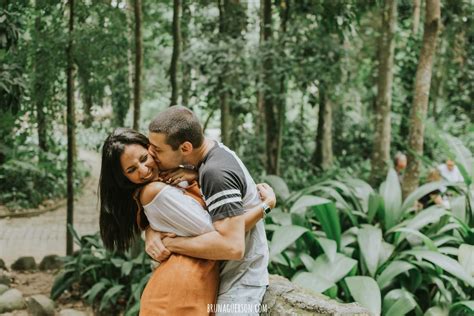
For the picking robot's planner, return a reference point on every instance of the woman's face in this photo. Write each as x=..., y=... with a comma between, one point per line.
x=137, y=165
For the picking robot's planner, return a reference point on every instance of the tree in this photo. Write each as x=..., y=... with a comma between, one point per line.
x=421, y=95
x=174, y=67
x=70, y=128
x=40, y=84
x=382, y=136
x=323, y=155
x=138, y=64
x=272, y=115
x=186, y=67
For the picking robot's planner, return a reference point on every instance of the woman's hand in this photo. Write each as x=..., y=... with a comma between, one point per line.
x=266, y=194
x=154, y=246
x=178, y=175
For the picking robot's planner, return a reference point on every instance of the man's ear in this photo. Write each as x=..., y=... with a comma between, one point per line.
x=186, y=148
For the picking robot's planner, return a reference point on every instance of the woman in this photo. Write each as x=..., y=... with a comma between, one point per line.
x=131, y=198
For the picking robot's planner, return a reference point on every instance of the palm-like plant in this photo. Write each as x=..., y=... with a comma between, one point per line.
x=349, y=241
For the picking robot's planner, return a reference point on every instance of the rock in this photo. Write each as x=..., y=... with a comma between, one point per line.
x=71, y=312
x=24, y=264
x=51, y=262
x=3, y=288
x=40, y=305
x=285, y=298
x=2, y=265
x=11, y=300
x=4, y=278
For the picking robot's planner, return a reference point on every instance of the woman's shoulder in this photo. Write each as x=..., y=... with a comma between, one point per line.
x=150, y=190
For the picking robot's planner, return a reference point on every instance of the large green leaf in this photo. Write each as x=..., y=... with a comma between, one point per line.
x=306, y=201
x=437, y=311
x=392, y=196
x=398, y=302
x=366, y=292
x=394, y=269
x=328, y=217
x=279, y=217
x=444, y=262
x=459, y=207
x=466, y=258
x=428, y=216
x=374, y=205
x=462, y=308
x=109, y=295
x=284, y=237
x=329, y=247
x=369, y=239
x=428, y=242
x=278, y=185
x=362, y=189
x=421, y=192
x=312, y=281
x=386, y=250
x=334, y=270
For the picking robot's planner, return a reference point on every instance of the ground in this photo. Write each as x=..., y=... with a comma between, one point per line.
x=45, y=234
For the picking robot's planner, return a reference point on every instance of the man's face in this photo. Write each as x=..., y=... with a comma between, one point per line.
x=450, y=164
x=166, y=158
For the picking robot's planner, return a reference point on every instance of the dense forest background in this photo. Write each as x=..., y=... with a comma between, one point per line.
x=311, y=91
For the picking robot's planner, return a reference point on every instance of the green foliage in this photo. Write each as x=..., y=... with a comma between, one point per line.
x=110, y=282
x=28, y=178
x=347, y=240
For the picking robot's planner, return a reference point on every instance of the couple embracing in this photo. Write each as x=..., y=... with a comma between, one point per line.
x=201, y=210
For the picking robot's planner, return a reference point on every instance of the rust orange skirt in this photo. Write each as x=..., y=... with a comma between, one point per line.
x=181, y=285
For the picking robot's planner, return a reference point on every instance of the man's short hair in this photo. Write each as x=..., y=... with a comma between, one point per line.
x=179, y=124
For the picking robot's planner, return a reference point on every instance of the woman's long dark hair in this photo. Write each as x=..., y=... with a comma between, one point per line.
x=118, y=208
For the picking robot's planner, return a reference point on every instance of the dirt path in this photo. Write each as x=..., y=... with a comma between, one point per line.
x=46, y=233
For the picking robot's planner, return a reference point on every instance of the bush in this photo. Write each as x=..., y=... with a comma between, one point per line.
x=27, y=179
x=109, y=281
x=350, y=242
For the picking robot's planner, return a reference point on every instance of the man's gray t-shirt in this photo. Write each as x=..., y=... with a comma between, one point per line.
x=229, y=190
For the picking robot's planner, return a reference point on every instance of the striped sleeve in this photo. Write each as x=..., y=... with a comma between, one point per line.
x=222, y=191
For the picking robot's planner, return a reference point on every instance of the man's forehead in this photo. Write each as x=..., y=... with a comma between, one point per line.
x=157, y=139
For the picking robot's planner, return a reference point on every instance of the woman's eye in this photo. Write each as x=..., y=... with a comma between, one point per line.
x=144, y=158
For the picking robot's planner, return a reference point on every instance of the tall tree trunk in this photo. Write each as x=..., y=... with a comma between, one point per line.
x=231, y=24
x=260, y=117
x=281, y=104
x=131, y=71
x=381, y=146
x=270, y=104
x=137, y=97
x=323, y=155
x=174, y=67
x=86, y=97
x=186, y=68
x=39, y=84
x=416, y=16
x=226, y=125
x=71, y=122
x=421, y=95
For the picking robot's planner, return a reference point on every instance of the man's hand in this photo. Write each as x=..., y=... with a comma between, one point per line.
x=154, y=246
x=266, y=194
x=178, y=175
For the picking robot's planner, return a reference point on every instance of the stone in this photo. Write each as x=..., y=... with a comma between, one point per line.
x=71, y=312
x=50, y=262
x=3, y=288
x=24, y=264
x=11, y=300
x=2, y=265
x=40, y=305
x=286, y=298
x=4, y=278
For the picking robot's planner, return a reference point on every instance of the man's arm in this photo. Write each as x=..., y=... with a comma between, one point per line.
x=226, y=243
x=218, y=245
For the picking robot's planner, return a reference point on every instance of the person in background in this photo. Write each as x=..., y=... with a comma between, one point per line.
x=400, y=163
x=450, y=172
x=435, y=197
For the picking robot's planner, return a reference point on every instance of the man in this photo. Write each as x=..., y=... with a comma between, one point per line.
x=400, y=163
x=176, y=139
x=450, y=172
